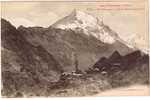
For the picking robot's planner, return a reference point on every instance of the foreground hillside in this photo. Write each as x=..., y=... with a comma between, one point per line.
x=88, y=84
x=25, y=66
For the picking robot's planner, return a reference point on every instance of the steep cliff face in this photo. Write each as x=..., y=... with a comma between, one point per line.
x=25, y=64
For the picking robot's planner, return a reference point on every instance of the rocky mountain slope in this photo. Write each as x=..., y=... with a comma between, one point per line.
x=24, y=64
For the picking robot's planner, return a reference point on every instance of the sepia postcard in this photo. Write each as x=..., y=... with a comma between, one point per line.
x=74, y=48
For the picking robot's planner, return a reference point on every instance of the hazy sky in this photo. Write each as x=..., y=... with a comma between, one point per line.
x=130, y=24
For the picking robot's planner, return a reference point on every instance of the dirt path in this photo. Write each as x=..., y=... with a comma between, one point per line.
x=136, y=90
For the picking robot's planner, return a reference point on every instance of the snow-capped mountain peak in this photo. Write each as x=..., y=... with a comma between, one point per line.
x=89, y=24
x=77, y=19
x=84, y=18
